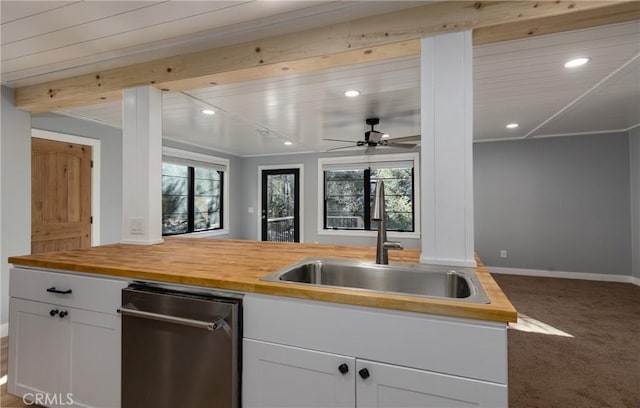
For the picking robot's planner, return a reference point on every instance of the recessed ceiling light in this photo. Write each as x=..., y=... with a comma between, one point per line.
x=385, y=136
x=208, y=112
x=288, y=143
x=351, y=93
x=576, y=62
x=512, y=125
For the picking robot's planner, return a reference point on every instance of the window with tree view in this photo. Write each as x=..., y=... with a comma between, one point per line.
x=191, y=198
x=349, y=195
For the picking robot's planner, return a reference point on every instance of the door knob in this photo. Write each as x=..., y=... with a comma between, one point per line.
x=53, y=312
x=343, y=368
x=364, y=373
x=63, y=314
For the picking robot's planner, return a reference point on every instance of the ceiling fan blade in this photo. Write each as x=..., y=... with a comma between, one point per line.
x=415, y=138
x=370, y=149
x=340, y=148
x=340, y=140
x=401, y=145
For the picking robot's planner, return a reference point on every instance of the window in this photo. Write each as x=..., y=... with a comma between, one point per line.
x=193, y=193
x=349, y=190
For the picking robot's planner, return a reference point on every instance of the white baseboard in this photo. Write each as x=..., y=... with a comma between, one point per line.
x=565, y=275
x=4, y=330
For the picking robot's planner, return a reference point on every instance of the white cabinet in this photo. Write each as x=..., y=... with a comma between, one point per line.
x=36, y=348
x=390, y=386
x=288, y=377
x=279, y=376
x=293, y=350
x=64, y=348
x=92, y=376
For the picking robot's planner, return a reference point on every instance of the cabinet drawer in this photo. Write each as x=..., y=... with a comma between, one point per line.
x=89, y=293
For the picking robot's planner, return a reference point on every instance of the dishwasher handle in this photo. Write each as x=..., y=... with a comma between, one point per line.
x=211, y=326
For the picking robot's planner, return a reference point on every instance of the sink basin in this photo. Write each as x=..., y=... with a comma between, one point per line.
x=416, y=280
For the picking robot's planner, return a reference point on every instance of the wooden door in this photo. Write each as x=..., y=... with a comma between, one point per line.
x=60, y=196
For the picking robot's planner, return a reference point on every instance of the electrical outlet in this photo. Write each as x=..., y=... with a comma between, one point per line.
x=503, y=253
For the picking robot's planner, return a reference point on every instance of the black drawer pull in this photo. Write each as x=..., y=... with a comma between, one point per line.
x=62, y=292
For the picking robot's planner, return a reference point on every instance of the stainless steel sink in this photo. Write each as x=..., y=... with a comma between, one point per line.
x=419, y=280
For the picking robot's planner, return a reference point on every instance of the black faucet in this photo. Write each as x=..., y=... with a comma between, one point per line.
x=378, y=214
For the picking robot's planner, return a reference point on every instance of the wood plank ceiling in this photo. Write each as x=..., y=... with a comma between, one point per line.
x=519, y=81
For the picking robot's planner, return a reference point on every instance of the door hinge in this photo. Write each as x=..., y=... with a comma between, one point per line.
x=90, y=220
x=91, y=163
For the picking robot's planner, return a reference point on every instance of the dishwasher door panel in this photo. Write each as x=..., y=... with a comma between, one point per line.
x=169, y=362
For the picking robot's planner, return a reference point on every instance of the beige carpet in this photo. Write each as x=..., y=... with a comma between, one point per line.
x=592, y=356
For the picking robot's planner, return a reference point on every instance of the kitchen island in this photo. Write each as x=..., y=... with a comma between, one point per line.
x=238, y=266
x=339, y=346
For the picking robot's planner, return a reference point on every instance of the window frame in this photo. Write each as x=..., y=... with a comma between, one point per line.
x=370, y=159
x=192, y=159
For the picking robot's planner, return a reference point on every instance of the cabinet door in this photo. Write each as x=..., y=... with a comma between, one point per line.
x=389, y=386
x=90, y=373
x=35, y=340
x=276, y=376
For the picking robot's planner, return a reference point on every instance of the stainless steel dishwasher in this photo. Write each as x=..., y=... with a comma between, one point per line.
x=180, y=347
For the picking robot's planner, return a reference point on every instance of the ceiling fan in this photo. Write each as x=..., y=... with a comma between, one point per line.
x=373, y=139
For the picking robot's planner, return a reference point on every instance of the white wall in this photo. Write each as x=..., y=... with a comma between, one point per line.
x=634, y=149
x=15, y=190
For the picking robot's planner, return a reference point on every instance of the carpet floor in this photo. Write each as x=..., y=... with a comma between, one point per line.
x=581, y=347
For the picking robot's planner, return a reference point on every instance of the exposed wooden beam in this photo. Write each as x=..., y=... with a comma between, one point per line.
x=364, y=40
x=617, y=13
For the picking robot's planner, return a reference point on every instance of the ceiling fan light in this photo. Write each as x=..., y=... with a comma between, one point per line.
x=385, y=136
x=576, y=62
x=351, y=93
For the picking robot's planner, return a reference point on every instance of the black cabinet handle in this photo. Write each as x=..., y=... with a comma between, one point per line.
x=63, y=314
x=53, y=312
x=364, y=373
x=343, y=368
x=62, y=292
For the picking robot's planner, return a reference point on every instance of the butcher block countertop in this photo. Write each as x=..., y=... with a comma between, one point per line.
x=239, y=265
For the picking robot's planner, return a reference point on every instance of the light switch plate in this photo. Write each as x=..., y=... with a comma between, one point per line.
x=137, y=226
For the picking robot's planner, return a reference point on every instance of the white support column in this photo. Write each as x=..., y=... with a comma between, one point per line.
x=142, y=165
x=447, y=149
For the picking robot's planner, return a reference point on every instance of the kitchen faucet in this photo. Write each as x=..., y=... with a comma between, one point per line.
x=383, y=246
